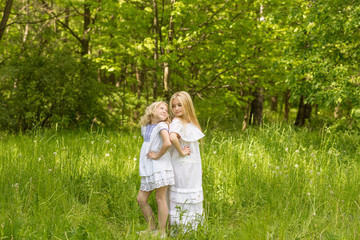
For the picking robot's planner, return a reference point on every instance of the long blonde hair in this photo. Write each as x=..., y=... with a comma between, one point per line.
x=188, y=106
x=150, y=112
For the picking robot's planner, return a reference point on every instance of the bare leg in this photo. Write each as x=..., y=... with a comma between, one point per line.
x=142, y=199
x=162, y=208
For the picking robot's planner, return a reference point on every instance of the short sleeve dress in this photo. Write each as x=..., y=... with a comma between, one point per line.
x=186, y=195
x=154, y=173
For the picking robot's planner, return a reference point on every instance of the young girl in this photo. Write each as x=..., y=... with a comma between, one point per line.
x=186, y=196
x=155, y=166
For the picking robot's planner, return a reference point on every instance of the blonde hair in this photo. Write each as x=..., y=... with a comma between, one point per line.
x=150, y=112
x=188, y=106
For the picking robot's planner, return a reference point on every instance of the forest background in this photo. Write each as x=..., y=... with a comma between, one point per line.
x=69, y=63
x=76, y=75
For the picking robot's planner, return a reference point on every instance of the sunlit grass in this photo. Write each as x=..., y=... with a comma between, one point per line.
x=276, y=182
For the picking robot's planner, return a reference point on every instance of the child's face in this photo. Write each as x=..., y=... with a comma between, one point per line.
x=161, y=112
x=177, y=108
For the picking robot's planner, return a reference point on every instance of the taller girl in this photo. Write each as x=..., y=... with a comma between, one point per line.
x=186, y=196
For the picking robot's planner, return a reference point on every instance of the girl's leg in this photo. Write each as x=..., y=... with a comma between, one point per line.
x=142, y=199
x=162, y=208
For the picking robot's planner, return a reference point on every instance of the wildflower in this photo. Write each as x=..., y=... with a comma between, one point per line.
x=280, y=172
x=336, y=154
x=92, y=142
x=107, y=155
x=2, y=225
x=310, y=171
x=297, y=151
x=277, y=167
x=214, y=152
x=286, y=149
x=50, y=170
x=250, y=154
x=134, y=158
x=20, y=155
x=308, y=194
x=314, y=214
x=55, y=153
x=296, y=165
x=15, y=185
x=110, y=149
x=318, y=173
x=313, y=155
x=107, y=141
x=285, y=166
x=34, y=141
x=39, y=159
x=329, y=152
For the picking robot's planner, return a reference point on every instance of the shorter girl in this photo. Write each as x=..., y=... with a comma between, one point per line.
x=155, y=166
x=186, y=195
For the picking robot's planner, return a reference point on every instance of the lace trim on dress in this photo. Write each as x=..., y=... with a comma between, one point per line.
x=157, y=180
x=192, y=196
x=185, y=218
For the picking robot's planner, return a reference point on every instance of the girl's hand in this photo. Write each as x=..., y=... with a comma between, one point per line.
x=152, y=155
x=186, y=151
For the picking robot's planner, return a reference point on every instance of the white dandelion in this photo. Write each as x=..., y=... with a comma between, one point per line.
x=296, y=165
x=55, y=153
x=297, y=150
x=134, y=158
x=286, y=149
x=107, y=155
x=107, y=141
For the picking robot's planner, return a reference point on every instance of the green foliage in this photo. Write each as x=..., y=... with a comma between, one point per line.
x=43, y=90
x=73, y=70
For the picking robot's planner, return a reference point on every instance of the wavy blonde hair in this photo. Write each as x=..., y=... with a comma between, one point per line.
x=150, y=112
x=188, y=106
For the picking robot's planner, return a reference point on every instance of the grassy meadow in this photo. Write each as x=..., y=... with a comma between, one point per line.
x=277, y=182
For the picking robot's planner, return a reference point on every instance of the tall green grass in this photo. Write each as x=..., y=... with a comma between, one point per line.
x=275, y=182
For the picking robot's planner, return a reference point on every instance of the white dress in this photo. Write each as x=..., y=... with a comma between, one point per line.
x=154, y=173
x=186, y=195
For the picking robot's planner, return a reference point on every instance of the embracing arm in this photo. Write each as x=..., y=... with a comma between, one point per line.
x=174, y=138
x=164, y=147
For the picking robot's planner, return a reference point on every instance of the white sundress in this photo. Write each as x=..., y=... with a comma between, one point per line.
x=186, y=195
x=154, y=173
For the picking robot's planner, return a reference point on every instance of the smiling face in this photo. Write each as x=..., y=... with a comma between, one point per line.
x=177, y=108
x=160, y=114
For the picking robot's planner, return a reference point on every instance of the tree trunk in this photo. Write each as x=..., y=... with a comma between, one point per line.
x=304, y=112
x=5, y=17
x=140, y=77
x=167, y=72
x=287, y=104
x=274, y=104
x=156, y=47
x=85, y=41
x=256, y=113
x=246, y=117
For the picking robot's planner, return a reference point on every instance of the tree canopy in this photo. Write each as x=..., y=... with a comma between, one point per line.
x=85, y=62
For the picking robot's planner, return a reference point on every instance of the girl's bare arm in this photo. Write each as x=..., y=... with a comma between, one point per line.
x=174, y=138
x=165, y=146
